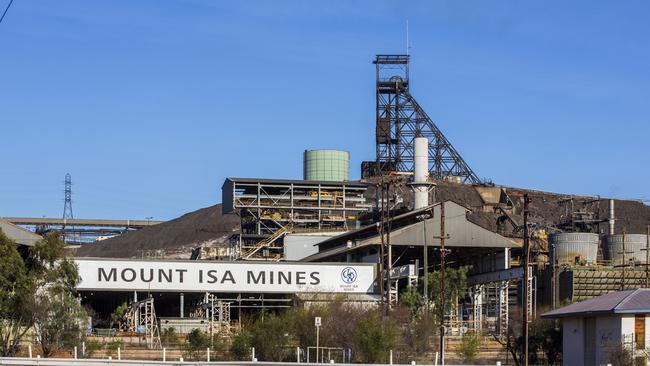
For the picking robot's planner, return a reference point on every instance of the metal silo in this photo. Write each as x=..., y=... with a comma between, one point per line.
x=634, y=248
x=574, y=248
x=329, y=165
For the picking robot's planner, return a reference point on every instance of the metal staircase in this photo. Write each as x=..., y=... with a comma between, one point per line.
x=267, y=242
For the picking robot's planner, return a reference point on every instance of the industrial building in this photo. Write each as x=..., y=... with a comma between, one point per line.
x=417, y=208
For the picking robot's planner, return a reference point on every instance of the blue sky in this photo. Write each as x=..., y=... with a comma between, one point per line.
x=149, y=105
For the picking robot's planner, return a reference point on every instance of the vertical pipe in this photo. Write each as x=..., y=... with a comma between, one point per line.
x=136, y=312
x=182, y=305
x=421, y=172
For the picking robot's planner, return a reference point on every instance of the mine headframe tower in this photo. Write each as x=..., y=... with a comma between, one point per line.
x=400, y=119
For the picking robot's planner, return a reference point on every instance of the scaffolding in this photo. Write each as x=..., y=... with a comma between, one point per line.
x=216, y=313
x=271, y=208
x=140, y=318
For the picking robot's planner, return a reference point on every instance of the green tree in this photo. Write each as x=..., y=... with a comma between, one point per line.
x=16, y=290
x=374, y=338
x=270, y=335
x=197, y=341
x=412, y=298
x=241, y=345
x=58, y=317
x=118, y=315
x=455, y=286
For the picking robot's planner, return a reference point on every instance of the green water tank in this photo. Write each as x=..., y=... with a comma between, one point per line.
x=330, y=165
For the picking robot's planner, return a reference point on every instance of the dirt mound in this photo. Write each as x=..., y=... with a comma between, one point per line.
x=203, y=227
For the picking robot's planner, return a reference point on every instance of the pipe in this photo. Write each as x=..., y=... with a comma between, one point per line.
x=421, y=172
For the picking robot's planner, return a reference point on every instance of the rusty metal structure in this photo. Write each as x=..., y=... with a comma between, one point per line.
x=399, y=120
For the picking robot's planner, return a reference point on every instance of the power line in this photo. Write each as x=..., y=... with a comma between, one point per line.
x=5, y=12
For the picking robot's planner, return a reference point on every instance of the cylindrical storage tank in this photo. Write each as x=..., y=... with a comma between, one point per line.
x=329, y=165
x=634, y=248
x=574, y=248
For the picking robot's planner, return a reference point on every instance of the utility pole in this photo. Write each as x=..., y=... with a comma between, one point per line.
x=423, y=218
x=442, y=282
x=525, y=284
x=624, y=262
x=381, y=228
x=554, y=278
x=443, y=252
x=647, y=256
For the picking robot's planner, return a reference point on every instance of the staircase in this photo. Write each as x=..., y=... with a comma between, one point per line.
x=267, y=242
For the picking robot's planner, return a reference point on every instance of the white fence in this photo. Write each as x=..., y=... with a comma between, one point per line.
x=19, y=361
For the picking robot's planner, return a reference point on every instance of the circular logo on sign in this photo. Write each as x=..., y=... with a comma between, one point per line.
x=349, y=275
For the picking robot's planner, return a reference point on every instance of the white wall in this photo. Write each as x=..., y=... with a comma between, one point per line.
x=297, y=246
x=608, y=333
x=573, y=341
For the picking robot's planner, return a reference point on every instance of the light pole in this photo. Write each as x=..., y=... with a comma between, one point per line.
x=149, y=218
x=525, y=290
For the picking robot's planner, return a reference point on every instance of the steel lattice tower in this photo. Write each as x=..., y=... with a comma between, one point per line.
x=67, y=206
x=400, y=119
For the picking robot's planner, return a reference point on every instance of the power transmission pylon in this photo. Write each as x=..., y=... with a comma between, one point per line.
x=67, y=205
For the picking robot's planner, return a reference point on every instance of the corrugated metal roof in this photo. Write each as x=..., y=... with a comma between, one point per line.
x=618, y=302
x=18, y=234
x=407, y=230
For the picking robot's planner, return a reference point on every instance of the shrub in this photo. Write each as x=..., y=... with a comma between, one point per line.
x=197, y=341
x=111, y=347
x=241, y=345
x=169, y=338
x=469, y=345
x=270, y=335
x=92, y=346
x=374, y=338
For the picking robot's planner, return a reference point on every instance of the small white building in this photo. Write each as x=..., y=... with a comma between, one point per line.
x=593, y=329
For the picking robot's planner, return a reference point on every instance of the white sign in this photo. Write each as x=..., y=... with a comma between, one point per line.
x=217, y=276
x=317, y=321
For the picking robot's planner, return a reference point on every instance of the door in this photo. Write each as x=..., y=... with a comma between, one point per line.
x=639, y=330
